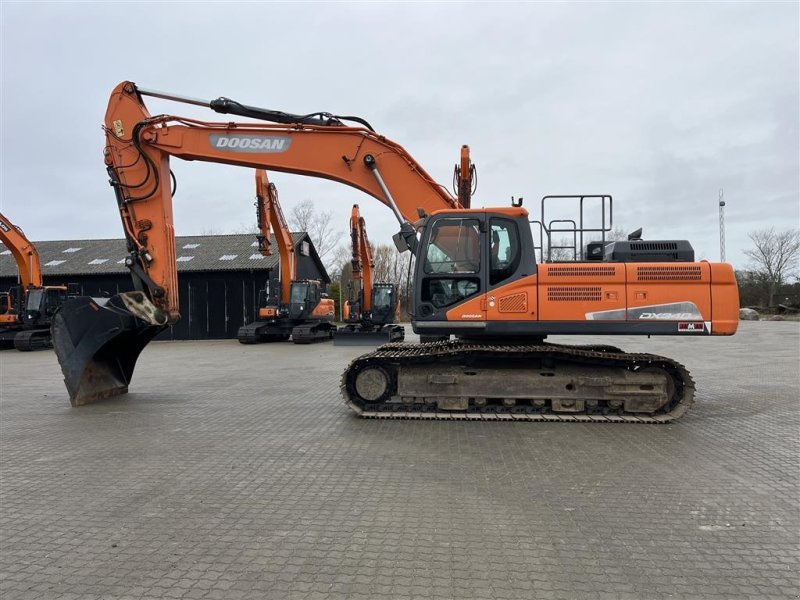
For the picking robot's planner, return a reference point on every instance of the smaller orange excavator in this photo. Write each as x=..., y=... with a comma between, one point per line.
x=27, y=310
x=373, y=309
x=299, y=311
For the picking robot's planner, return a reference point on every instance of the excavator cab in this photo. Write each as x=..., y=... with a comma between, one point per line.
x=42, y=303
x=303, y=299
x=384, y=303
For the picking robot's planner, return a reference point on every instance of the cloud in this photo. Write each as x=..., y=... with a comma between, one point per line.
x=660, y=105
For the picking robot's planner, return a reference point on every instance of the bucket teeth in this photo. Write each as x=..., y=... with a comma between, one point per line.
x=97, y=342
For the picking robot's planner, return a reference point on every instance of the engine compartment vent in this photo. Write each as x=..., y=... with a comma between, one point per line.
x=676, y=273
x=515, y=303
x=581, y=271
x=574, y=293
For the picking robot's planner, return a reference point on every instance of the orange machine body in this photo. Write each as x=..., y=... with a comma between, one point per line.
x=609, y=298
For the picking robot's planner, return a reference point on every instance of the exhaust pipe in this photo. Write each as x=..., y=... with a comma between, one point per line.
x=98, y=340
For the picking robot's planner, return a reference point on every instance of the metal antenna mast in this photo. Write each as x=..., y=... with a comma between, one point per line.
x=721, y=226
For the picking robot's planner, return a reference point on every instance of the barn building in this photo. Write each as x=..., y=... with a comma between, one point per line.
x=220, y=277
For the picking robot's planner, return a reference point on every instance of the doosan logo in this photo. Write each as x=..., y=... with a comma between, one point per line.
x=251, y=143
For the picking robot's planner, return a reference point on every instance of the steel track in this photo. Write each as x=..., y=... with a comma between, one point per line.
x=391, y=356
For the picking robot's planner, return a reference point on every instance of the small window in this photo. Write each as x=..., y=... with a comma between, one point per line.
x=298, y=293
x=305, y=249
x=228, y=256
x=70, y=250
x=184, y=258
x=190, y=246
x=381, y=299
x=256, y=256
x=54, y=263
x=5, y=252
x=98, y=261
x=504, y=252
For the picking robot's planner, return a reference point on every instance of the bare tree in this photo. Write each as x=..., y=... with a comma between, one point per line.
x=340, y=259
x=384, y=256
x=246, y=228
x=318, y=225
x=775, y=257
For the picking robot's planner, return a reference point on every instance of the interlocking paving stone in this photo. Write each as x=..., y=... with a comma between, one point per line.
x=235, y=471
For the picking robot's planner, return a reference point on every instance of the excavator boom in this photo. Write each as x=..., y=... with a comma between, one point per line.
x=24, y=253
x=271, y=221
x=137, y=152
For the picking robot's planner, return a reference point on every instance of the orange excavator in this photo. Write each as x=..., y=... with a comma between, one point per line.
x=475, y=276
x=28, y=309
x=300, y=310
x=372, y=311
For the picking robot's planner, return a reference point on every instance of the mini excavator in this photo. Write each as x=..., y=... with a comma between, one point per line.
x=28, y=309
x=371, y=312
x=300, y=311
x=475, y=277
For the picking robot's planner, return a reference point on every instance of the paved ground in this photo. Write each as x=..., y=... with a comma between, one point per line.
x=237, y=472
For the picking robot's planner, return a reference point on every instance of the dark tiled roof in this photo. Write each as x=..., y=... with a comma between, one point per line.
x=234, y=252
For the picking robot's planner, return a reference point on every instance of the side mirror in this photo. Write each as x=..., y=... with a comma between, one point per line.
x=400, y=242
x=406, y=238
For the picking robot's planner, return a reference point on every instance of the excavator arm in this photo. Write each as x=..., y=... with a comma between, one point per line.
x=98, y=341
x=363, y=262
x=270, y=218
x=24, y=253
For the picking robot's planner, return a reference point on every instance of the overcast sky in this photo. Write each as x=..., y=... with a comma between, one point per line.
x=659, y=105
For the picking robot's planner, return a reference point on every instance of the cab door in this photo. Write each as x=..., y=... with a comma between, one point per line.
x=451, y=270
x=511, y=295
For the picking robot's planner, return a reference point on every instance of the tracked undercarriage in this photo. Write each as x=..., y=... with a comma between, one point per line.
x=35, y=339
x=308, y=333
x=305, y=333
x=535, y=382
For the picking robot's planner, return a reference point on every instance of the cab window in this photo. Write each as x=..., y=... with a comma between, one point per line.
x=454, y=247
x=298, y=293
x=504, y=255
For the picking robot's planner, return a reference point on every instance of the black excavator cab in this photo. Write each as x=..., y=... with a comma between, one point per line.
x=303, y=299
x=376, y=327
x=41, y=304
x=384, y=303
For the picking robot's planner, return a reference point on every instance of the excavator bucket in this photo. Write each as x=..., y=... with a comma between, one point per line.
x=98, y=340
x=353, y=336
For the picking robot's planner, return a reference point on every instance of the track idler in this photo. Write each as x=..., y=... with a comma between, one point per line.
x=98, y=340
